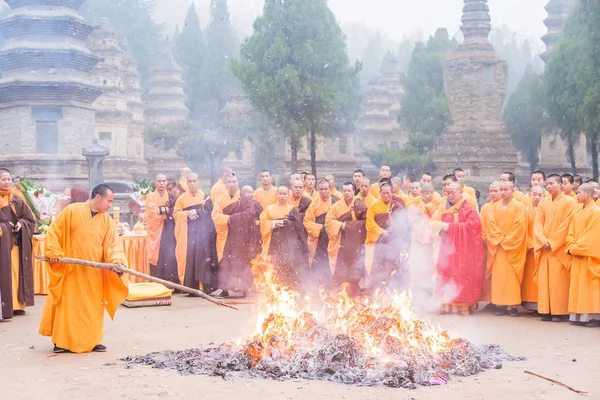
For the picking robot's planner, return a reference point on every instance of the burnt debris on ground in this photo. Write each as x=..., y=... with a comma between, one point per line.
x=336, y=358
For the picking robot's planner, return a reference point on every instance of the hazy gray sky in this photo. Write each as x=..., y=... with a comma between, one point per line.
x=396, y=18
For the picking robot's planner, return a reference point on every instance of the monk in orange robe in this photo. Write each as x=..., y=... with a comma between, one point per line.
x=309, y=187
x=507, y=250
x=457, y=229
x=284, y=240
x=583, y=243
x=220, y=187
x=428, y=201
x=334, y=191
x=538, y=178
x=459, y=173
x=16, y=231
x=388, y=231
x=357, y=176
x=510, y=177
x=298, y=199
x=160, y=224
x=552, y=220
x=74, y=311
x=428, y=178
x=182, y=185
x=345, y=226
x=447, y=181
x=529, y=288
x=238, y=217
x=267, y=194
x=385, y=172
x=318, y=241
x=596, y=187
x=567, y=186
x=484, y=215
x=364, y=193
x=397, y=188
x=196, y=238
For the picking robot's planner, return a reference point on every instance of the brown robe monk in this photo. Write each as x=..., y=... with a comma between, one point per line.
x=16, y=269
x=346, y=246
x=314, y=222
x=161, y=241
x=241, y=246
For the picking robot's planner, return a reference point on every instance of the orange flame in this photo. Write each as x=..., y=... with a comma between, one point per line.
x=378, y=324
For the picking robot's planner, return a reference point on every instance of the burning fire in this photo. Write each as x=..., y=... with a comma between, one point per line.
x=379, y=326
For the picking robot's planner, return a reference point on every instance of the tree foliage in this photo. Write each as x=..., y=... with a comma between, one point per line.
x=296, y=71
x=194, y=144
x=190, y=54
x=425, y=109
x=524, y=117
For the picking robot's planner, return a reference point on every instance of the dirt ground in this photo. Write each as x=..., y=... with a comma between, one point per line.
x=29, y=370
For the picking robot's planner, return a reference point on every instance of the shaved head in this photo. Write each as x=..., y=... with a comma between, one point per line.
x=160, y=177
x=537, y=189
x=247, y=189
x=508, y=184
x=193, y=175
x=587, y=188
x=455, y=186
x=495, y=184
x=427, y=187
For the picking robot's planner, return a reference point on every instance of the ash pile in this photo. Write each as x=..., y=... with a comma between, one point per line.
x=378, y=351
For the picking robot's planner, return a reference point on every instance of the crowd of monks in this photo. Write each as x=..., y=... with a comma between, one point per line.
x=538, y=251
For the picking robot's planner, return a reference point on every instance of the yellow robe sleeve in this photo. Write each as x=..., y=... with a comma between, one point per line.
x=559, y=236
x=221, y=224
x=312, y=227
x=374, y=231
x=585, y=241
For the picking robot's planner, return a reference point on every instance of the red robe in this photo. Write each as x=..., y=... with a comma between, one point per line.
x=459, y=271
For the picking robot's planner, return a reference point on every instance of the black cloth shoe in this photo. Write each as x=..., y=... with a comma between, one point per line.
x=60, y=350
x=99, y=348
x=513, y=312
x=500, y=311
x=19, y=312
x=490, y=308
x=546, y=318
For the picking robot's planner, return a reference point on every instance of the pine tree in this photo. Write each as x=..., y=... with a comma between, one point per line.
x=190, y=54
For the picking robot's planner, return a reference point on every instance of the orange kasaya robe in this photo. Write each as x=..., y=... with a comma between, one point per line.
x=346, y=246
x=78, y=295
x=529, y=287
x=471, y=200
x=486, y=290
x=183, y=186
x=221, y=219
x=301, y=203
x=552, y=226
x=469, y=191
x=266, y=197
x=572, y=195
x=507, y=250
x=459, y=253
x=284, y=247
x=368, y=200
x=375, y=190
x=527, y=202
x=185, y=201
x=518, y=195
x=312, y=195
x=314, y=223
x=155, y=221
x=583, y=240
x=337, y=193
x=420, y=261
x=598, y=202
x=217, y=190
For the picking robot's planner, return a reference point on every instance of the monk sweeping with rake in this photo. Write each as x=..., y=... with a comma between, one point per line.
x=78, y=295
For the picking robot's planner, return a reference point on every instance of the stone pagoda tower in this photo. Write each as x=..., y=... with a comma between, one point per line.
x=46, y=97
x=113, y=116
x=558, y=11
x=165, y=103
x=475, y=80
x=133, y=94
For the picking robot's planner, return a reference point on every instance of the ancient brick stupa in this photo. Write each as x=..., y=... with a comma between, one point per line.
x=113, y=115
x=475, y=80
x=558, y=11
x=46, y=97
x=165, y=103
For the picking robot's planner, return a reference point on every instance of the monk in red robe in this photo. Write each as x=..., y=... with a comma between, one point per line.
x=345, y=226
x=17, y=224
x=457, y=227
x=237, y=214
x=196, y=238
x=284, y=240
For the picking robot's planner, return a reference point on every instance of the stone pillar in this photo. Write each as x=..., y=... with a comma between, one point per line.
x=95, y=155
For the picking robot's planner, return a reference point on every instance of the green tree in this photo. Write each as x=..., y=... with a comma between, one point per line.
x=221, y=49
x=296, y=71
x=133, y=21
x=194, y=144
x=524, y=116
x=190, y=54
x=424, y=107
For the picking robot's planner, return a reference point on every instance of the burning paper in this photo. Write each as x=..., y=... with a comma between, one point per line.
x=368, y=341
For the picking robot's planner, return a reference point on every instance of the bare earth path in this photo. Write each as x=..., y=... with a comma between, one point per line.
x=29, y=370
